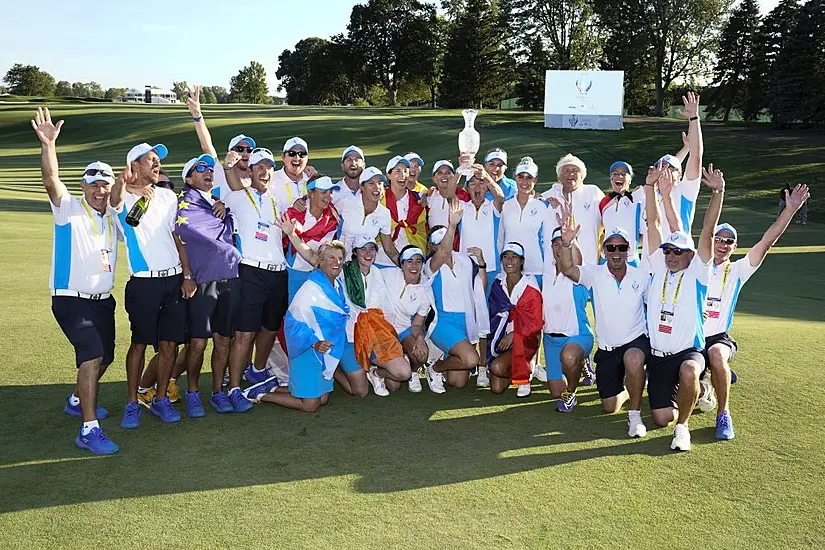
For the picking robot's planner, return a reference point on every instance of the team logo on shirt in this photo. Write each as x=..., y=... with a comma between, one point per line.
x=413, y=298
x=635, y=285
x=533, y=211
x=587, y=206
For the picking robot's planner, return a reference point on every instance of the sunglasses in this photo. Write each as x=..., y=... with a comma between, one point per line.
x=676, y=251
x=615, y=247
x=242, y=149
x=201, y=168
x=728, y=242
x=96, y=172
x=294, y=154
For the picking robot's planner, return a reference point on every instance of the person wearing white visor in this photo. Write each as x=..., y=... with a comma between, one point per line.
x=82, y=278
x=462, y=320
x=495, y=166
x=623, y=207
x=416, y=165
x=289, y=183
x=407, y=214
x=726, y=282
x=241, y=144
x=445, y=189
x=352, y=165
x=675, y=299
x=366, y=215
x=584, y=201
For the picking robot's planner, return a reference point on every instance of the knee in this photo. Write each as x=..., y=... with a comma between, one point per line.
x=244, y=338
x=498, y=369
x=689, y=371
x=663, y=418
x=197, y=345
x=470, y=358
x=361, y=391
x=611, y=406
x=460, y=383
x=571, y=356
x=718, y=357
x=556, y=388
x=498, y=390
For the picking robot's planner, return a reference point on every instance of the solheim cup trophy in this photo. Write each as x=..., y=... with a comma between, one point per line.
x=468, y=141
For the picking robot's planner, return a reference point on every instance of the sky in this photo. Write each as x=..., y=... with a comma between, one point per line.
x=130, y=44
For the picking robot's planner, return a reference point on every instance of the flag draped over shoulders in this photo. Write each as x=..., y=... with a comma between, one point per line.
x=522, y=308
x=326, y=224
x=414, y=225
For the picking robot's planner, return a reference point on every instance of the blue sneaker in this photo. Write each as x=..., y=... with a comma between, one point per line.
x=588, y=376
x=724, y=426
x=194, y=408
x=220, y=402
x=131, y=416
x=97, y=442
x=75, y=410
x=164, y=410
x=253, y=393
x=253, y=377
x=239, y=402
x=567, y=402
x=225, y=383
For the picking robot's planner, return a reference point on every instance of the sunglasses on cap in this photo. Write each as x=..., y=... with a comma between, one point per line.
x=294, y=154
x=671, y=250
x=615, y=247
x=720, y=240
x=96, y=172
x=242, y=149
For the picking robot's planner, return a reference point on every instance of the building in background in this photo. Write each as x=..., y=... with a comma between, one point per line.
x=152, y=94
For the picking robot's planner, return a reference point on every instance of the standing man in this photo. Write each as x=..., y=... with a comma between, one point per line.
x=675, y=299
x=82, y=276
x=157, y=314
x=206, y=236
x=726, y=281
x=352, y=165
x=416, y=164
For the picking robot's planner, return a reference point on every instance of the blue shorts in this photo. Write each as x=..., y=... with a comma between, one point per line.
x=296, y=279
x=306, y=376
x=552, y=352
x=450, y=329
x=348, y=361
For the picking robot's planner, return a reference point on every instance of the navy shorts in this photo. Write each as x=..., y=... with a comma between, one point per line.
x=89, y=325
x=663, y=376
x=610, y=366
x=156, y=308
x=721, y=338
x=264, y=299
x=213, y=309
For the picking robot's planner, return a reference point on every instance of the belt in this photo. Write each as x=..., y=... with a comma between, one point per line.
x=73, y=294
x=264, y=265
x=162, y=273
x=557, y=335
x=609, y=348
x=658, y=353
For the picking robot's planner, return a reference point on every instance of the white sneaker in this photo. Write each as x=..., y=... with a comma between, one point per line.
x=523, y=390
x=539, y=372
x=707, y=402
x=483, y=379
x=377, y=382
x=415, y=382
x=635, y=426
x=681, y=438
x=435, y=380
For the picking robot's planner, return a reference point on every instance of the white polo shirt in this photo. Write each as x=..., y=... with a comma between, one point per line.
x=258, y=238
x=681, y=296
x=220, y=187
x=726, y=281
x=527, y=227
x=618, y=306
x=403, y=207
x=438, y=209
x=354, y=223
x=624, y=213
x=564, y=306
x=406, y=301
x=375, y=295
x=297, y=262
x=343, y=193
x=683, y=197
x=287, y=191
x=84, y=252
x=452, y=287
x=150, y=246
x=585, y=200
x=479, y=227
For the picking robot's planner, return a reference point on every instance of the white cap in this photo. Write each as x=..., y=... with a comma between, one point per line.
x=441, y=163
x=410, y=252
x=527, y=165
x=295, y=142
x=352, y=149
x=438, y=235
x=395, y=161
x=261, y=154
x=556, y=234
x=139, y=150
x=363, y=240
x=571, y=159
x=208, y=160
x=617, y=232
x=370, y=173
x=500, y=155
x=100, y=171
x=239, y=138
x=324, y=183
x=414, y=157
x=672, y=160
x=679, y=239
x=513, y=247
x=721, y=227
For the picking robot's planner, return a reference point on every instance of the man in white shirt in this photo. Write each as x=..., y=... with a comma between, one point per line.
x=675, y=300
x=82, y=277
x=352, y=165
x=726, y=282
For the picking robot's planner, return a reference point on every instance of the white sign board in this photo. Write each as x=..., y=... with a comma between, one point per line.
x=584, y=99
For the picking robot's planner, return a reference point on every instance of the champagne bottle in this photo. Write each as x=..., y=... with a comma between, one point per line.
x=137, y=211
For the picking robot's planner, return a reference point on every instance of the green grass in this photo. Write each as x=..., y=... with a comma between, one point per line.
x=465, y=469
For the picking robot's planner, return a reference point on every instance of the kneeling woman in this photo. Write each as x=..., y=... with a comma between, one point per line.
x=515, y=306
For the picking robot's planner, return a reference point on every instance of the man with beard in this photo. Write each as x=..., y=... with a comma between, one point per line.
x=352, y=164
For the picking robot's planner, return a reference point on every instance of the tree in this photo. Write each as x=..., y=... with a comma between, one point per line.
x=180, y=90
x=634, y=54
x=208, y=96
x=115, y=93
x=80, y=89
x=221, y=95
x=297, y=69
x=532, y=76
x=63, y=89
x=249, y=85
x=734, y=57
x=96, y=90
x=29, y=80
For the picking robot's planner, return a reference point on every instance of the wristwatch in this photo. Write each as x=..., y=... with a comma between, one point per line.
x=189, y=277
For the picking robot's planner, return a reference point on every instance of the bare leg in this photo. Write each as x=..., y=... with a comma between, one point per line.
x=238, y=353
x=500, y=373
x=150, y=374
x=166, y=361
x=397, y=369
x=134, y=364
x=87, y=378
x=634, y=376
x=688, y=392
x=180, y=363
x=263, y=347
x=614, y=404
x=463, y=356
x=220, y=357
x=719, y=355
x=572, y=363
x=282, y=397
x=194, y=362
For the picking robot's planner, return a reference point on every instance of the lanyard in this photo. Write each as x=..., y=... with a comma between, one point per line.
x=403, y=290
x=94, y=224
x=255, y=206
x=678, y=288
x=289, y=191
x=724, y=279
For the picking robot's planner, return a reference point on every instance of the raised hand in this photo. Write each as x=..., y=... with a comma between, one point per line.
x=127, y=177
x=287, y=225
x=797, y=197
x=310, y=171
x=477, y=253
x=456, y=212
x=654, y=174
x=231, y=159
x=193, y=100
x=46, y=131
x=713, y=179
x=685, y=141
x=691, y=108
x=565, y=221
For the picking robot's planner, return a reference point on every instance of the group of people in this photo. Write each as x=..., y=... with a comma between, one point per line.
x=376, y=279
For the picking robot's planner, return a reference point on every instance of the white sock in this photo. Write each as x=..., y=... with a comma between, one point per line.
x=634, y=413
x=255, y=369
x=88, y=426
x=143, y=390
x=74, y=400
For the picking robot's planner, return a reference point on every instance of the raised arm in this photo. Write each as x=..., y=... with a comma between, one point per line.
x=695, y=142
x=683, y=152
x=654, y=225
x=117, y=193
x=492, y=187
x=194, y=104
x=670, y=212
x=793, y=202
x=47, y=134
x=233, y=180
x=444, y=251
x=567, y=260
x=715, y=181
x=288, y=228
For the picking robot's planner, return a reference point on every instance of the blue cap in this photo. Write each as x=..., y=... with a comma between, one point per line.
x=726, y=227
x=139, y=150
x=239, y=138
x=208, y=160
x=324, y=183
x=623, y=164
x=395, y=161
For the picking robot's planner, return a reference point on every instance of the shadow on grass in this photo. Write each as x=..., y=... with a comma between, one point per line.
x=399, y=443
